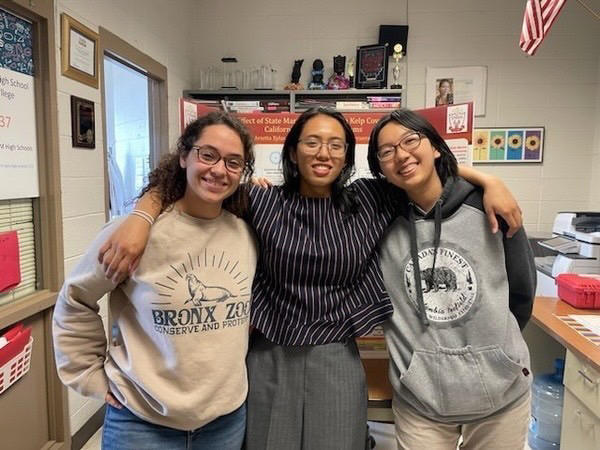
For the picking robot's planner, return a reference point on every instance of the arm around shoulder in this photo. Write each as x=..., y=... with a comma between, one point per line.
x=520, y=269
x=497, y=199
x=121, y=251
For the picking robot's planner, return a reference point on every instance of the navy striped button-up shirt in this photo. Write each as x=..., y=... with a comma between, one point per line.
x=318, y=278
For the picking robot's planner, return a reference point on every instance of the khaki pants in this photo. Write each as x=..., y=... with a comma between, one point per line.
x=506, y=430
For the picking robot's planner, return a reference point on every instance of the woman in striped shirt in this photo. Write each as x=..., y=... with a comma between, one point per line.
x=318, y=286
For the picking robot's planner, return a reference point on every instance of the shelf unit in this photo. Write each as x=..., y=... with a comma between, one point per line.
x=324, y=97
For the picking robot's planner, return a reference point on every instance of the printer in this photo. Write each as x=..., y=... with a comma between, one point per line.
x=576, y=246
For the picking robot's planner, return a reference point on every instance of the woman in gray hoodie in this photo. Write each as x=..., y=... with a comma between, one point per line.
x=461, y=295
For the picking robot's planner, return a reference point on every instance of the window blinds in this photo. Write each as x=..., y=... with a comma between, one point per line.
x=18, y=215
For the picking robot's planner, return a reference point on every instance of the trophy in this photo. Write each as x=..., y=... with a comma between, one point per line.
x=396, y=70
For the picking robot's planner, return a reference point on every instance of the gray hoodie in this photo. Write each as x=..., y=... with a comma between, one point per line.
x=455, y=344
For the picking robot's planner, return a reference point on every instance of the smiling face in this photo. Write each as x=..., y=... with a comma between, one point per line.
x=412, y=171
x=318, y=171
x=444, y=88
x=208, y=185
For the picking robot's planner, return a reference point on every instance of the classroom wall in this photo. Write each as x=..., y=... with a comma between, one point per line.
x=277, y=32
x=595, y=184
x=149, y=26
x=557, y=88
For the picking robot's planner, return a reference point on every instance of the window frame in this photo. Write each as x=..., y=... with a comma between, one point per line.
x=125, y=53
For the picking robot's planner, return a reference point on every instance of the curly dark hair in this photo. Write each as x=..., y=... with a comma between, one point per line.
x=168, y=181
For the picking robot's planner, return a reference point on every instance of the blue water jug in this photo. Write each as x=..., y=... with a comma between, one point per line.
x=547, y=393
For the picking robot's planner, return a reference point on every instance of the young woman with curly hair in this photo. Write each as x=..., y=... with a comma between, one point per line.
x=174, y=373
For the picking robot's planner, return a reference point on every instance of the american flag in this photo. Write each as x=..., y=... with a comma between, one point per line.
x=539, y=17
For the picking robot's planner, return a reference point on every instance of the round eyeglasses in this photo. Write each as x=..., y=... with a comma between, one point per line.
x=208, y=155
x=312, y=146
x=408, y=143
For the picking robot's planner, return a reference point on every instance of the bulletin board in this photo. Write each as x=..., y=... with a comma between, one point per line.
x=18, y=131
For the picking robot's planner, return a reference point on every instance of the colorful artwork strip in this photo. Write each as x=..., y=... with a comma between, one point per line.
x=508, y=145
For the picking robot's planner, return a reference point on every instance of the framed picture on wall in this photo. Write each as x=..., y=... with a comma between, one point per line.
x=508, y=145
x=79, y=52
x=83, y=127
x=452, y=85
x=371, y=66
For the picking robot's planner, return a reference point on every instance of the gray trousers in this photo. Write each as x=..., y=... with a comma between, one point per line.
x=305, y=397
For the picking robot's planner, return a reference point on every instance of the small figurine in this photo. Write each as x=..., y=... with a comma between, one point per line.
x=295, y=84
x=338, y=80
x=317, y=74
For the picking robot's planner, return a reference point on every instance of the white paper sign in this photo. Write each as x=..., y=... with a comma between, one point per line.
x=81, y=53
x=461, y=150
x=268, y=162
x=18, y=138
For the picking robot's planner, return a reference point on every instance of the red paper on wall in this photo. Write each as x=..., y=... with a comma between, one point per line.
x=10, y=268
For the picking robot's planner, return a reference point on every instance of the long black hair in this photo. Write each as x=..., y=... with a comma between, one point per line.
x=446, y=165
x=169, y=181
x=343, y=197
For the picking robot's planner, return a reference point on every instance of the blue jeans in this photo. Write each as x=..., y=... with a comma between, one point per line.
x=123, y=430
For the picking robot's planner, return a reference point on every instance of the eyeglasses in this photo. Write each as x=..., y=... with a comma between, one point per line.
x=408, y=143
x=208, y=155
x=312, y=146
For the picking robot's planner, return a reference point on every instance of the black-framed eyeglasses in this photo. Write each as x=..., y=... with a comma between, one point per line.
x=208, y=155
x=312, y=146
x=409, y=143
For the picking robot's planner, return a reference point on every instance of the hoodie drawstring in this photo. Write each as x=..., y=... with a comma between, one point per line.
x=438, y=232
x=414, y=251
x=415, y=254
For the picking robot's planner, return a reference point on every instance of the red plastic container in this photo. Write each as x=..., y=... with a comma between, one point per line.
x=579, y=291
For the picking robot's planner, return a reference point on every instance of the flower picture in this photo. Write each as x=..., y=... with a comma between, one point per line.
x=480, y=145
x=515, y=145
x=532, y=145
x=508, y=145
x=515, y=141
x=497, y=139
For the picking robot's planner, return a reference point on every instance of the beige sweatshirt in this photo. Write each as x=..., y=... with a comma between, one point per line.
x=179, y=324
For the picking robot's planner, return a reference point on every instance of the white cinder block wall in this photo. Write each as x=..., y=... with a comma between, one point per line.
x=595, y=184
x=277, y=32
x=161, y=30
x=558, y=88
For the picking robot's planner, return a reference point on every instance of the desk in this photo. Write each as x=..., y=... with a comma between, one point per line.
x=580, y=427
x=545, y=312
